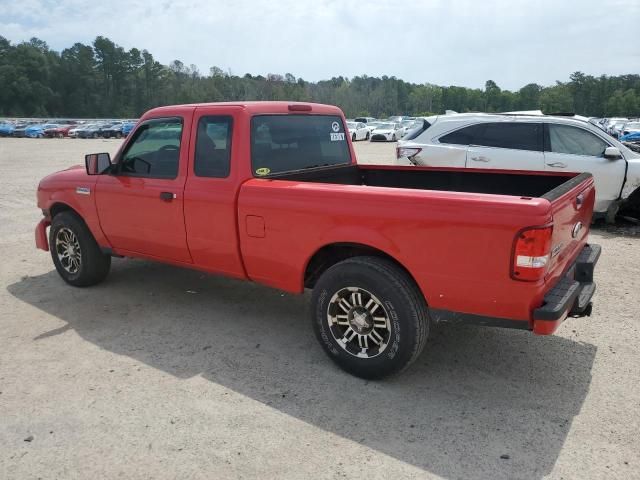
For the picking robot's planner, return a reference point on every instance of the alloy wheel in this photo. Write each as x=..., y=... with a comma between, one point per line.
x=359, y=322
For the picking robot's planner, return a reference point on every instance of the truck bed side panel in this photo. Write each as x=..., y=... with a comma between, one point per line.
x=456, y=245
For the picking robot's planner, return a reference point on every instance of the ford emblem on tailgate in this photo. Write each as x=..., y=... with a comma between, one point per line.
x=576, y=229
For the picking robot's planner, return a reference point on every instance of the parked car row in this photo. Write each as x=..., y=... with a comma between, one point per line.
x=69, y=128
x=617, y=127
x=374, y=130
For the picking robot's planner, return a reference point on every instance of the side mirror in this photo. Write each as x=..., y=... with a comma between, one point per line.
x=612, y=153
x=97, y=163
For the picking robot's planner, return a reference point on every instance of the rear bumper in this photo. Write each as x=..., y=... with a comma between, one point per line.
x=571, y=296
x=41, y=235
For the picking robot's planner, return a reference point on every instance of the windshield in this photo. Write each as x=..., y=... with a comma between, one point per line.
x=352, y=125
x=281, y=143
x=385, y=126
x=632, y=125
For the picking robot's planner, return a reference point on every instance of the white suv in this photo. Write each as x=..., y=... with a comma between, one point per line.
x=540, y=143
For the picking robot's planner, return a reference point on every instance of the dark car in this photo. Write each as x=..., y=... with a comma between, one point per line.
x=112, y=131
x=89, y=131
x=20, y=130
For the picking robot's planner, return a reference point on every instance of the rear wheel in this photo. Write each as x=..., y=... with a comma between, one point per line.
x=75, y=253
x=369, y=317
x=367, y=137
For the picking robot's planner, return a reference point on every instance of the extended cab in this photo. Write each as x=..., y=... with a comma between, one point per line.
x=271, y=192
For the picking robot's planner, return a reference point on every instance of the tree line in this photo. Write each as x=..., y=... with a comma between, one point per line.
x=105, y=80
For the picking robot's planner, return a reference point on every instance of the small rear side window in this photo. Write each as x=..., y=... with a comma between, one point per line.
x=464, y=136
x=417, y=130
x=282, y=143
x=213, y=147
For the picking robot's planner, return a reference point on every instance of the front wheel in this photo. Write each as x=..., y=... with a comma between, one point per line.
x=75, y=253
x=367, y=137
x=369, y=317
x=353, y=137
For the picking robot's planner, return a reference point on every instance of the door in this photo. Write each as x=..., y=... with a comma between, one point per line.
x=507, y=146
x=140, y=204
x=574, y=149
x=210, y=200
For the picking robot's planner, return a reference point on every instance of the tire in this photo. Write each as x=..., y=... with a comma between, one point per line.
x=393, y=139
x=118, y=135
x=367, y=137
x=90, y=265
x=396, y=324
x=353, y=137
x=60, y=135
x=95, y=135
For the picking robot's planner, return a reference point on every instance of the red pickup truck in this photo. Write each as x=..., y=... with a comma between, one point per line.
x=271, y=192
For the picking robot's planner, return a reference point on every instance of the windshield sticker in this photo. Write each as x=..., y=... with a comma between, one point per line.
x=337, y=137
x=335, y=126
x=263, y=171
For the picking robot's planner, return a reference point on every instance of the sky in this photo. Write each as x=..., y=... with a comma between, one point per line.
x=455, y=42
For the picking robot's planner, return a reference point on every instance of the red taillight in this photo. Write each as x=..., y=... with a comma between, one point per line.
x=531, y=254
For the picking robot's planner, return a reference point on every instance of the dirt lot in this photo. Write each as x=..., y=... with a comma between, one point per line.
x=168, y=373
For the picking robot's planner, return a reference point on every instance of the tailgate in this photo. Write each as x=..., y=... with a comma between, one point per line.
x=572, y=208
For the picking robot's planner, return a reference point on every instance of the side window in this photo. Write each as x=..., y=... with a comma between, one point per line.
x=213, y=147
x=154, y=151
x=464, y=136
x=575, y=141
x=515, y=136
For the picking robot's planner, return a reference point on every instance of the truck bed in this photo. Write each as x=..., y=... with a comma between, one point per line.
x=454, y=229
x=513, y=183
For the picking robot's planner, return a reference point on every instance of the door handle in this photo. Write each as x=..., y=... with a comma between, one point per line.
x=557, y=164
x=480, y=159
x=167, y=196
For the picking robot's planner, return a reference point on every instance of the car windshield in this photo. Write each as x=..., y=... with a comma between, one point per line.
x=352, y=125
x=632, y=125
x=281, y=143
x=385, y=126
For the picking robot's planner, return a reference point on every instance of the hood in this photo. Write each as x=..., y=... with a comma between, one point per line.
x=75, y=173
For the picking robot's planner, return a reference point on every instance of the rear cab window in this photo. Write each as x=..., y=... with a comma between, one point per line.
x=284, y=143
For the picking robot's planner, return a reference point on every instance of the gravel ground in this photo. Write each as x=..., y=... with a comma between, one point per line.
x=167, y=373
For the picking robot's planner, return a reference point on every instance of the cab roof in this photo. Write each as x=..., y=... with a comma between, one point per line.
x=254, y=107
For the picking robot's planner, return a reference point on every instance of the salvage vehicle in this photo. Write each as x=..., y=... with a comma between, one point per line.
x=91, y=130
x=271, y=192
x=59, y=131
x=531, y=143
x=112, y=131
x=37, y=131
x=127, y=127
x=358, y=131
x=6, y=129
x=387, y=132
x=628, y=129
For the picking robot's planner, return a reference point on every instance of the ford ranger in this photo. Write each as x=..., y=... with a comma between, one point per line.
x=271, y=192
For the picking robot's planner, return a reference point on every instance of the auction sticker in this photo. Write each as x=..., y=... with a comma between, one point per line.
x=263, y=171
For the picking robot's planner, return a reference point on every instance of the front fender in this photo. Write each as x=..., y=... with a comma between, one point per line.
x=77, y=195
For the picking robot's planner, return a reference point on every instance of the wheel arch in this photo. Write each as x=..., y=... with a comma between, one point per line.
x=59, y=207
x=333, y=253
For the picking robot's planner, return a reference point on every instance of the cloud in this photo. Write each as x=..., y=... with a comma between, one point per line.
x=443, y=42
